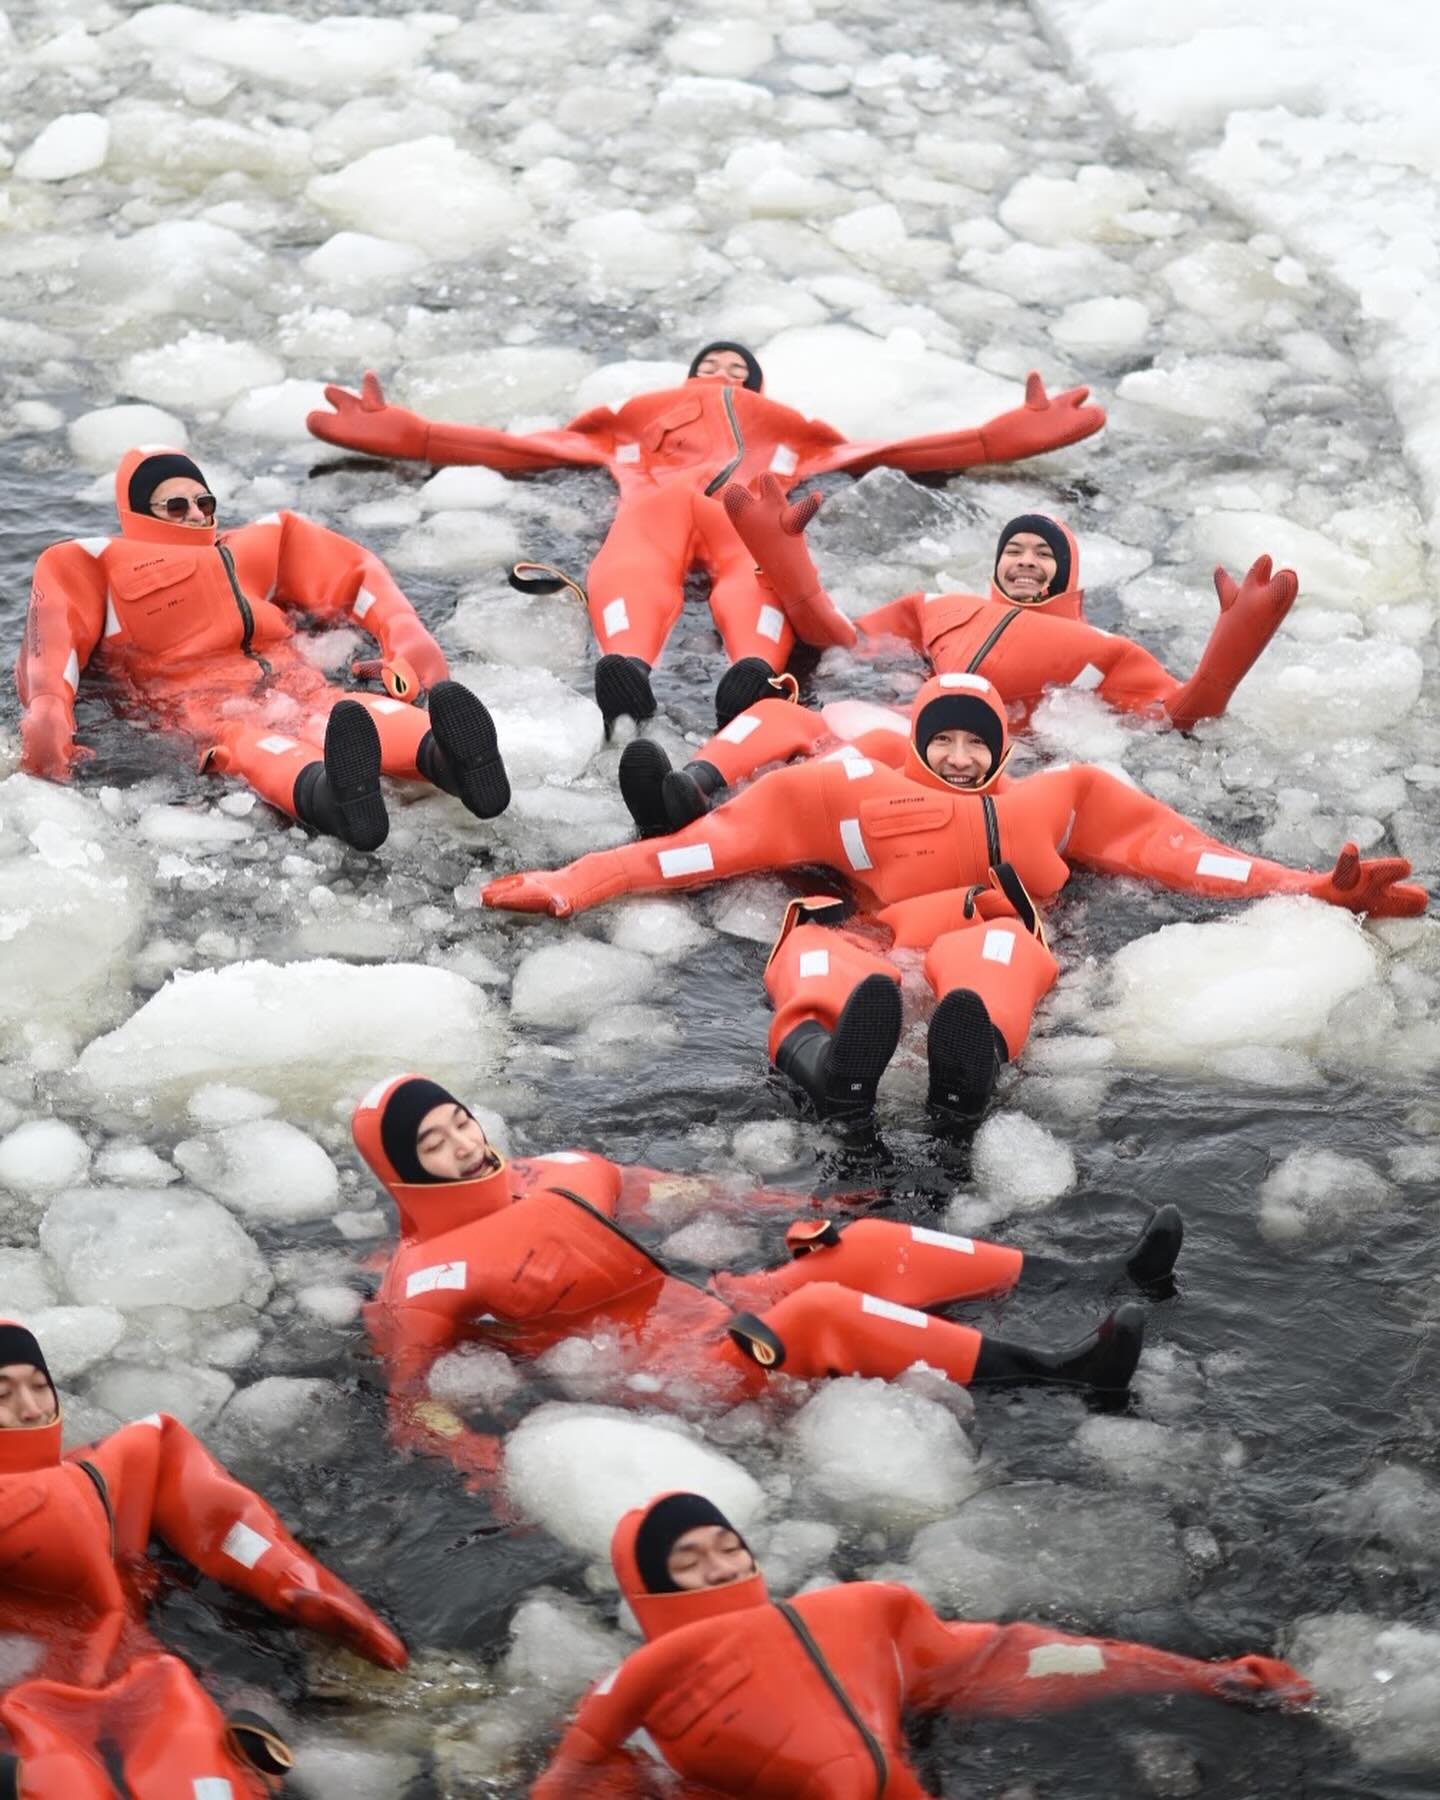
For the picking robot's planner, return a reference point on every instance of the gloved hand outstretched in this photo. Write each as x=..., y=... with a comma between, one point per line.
x=1377, y=887
x=365, y=421
x=1041, y=423
x=1260, y=1681
x=344, y=1616
x=47, y=739
x=772, y=529
x=537, y=891
x=1261, y=593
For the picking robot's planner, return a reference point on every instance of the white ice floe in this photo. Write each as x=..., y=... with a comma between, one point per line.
x=199, y=371
x=1378, y=1679
x=42, y=1156
x=99, y=439
x=74, y=1338
x=266, y=1170
x=557, y=1646
x=469, y=207
x=130, y=1247
x=1318, y=1194
x=193, y=1395
x=547, y=732
x=571, y=982
x=917, y=1464
x=72, y=144
x=1018, y=1166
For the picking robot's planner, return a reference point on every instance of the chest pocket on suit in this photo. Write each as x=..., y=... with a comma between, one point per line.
x=704, y=1686
x=18, y=1501
x=895, y=815
x=542, y=1279
x=150, y=597
x=672, y=425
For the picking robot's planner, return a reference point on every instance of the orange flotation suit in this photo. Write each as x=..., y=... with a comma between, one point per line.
x=74, y=1534
x=193, y=627
x=540, y=1250
x=803, y=1699
x=671, y=454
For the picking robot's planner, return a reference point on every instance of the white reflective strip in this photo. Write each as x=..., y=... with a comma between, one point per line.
x=364, y=600
x=784, y=461
x=961, y=679
x=1066, y=1659
x=561, y=1156
x=156, y=449
x=438, y=1275
x=386, y=706
x=615, y=618
x=854, y=844
x=606, y=1682
x=212, y=1787
x=942, y=1240
x=770, y=623
x=149, y=1419
x=72, y=672
x=740, y=728
x=92, y=546
x=112, y=618
x=244, y=1546
x=814, y=962
x=274, y=519
x=628, y=453
x=694, y=859
x=999, y=946
x=887, y=1309
x=643, y=1742
x=1225, y=868
x=856, y=767
x=276, y=745
x=1089, y=678
x=372, y=1099
x=1069, y=823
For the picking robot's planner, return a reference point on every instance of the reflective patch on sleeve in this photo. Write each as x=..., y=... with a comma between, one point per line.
x=364, y=600
x=642, y=1741
x=784, y=461
x=739, y=728
x=770, y=623
x=1060, y=847
x=942, y=1240
x=999, y=946
x=854, y=844
x=112, y=618
x=560, y=1156
x=386, y=706
x=615, y=618
x=856, y=766
x=693, y=859
x=212, y=1787
x=438, y=1275
x=72, y=672
x=276, y=746
x=1088, y=679
x=1065, y=1659
x=93, y=546
x=962, y=679
x=274, y=519
x=1223, y=868
x=628, y=453
x=814, y=962
x=149, y=1419
x=887, y=1309
x=606, y=1682
x=244, y=1546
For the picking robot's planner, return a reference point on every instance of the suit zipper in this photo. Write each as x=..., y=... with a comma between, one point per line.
x=103, y=1490
x=619, y=1231
x=247, y=617
x=728, y=397
x=832, y=1681
x=973, y=666
x=992, y=831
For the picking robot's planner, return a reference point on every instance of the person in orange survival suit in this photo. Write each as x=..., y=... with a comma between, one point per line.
x=671, y=453
x=74, y=1579
x=524, y=1254
x=803, y=1699
x=942, y=859
x=190, y=624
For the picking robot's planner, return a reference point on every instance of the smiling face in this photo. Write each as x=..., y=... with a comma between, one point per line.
x=452, y=1146
x=723, y=365
x=26, y=1397
x=1025, y=567
x=707, y=1557
x=959, y=757
x=176, y=489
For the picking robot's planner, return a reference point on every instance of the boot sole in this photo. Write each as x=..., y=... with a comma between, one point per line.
x=683, y=801
x=742, y=684
x=622, y=688
x=862, y=1043
x=465, y=733
x=961, y=1051
x=644, y=771
x=352, y=772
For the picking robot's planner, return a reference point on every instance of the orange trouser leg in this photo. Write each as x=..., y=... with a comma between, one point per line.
x=771, y=731
x=908, y=1263
x=264, y=756
x=1008, y=968
x=636, y=584
x=813, y=973
x=172, y=1737
x=832, y=1330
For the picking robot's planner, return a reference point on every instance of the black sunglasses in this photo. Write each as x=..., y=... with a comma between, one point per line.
x=178, y=505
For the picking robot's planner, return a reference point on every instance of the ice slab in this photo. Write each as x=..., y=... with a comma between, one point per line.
x=99, y=439
x=72, y=144
x=129, y=1247
x=1018, y=1166
x=470, y=208
x=359, y=261
x=327, y=56
x=1317, y=1194
x=42, y=1156
x=193, y=1395
x=729, y=46
x=882, y=1455
x=276, y=412
x=571, y=982
x=547, y=732
x=266, y=1170
x=299, y=1417
x=557, y=1646
x=199, y=371
x=1378, y=1680
x=74, y=1338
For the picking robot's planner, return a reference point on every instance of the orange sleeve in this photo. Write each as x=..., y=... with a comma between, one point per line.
x=64, y=624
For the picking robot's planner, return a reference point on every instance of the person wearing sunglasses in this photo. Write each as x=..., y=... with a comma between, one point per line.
x=194, y=627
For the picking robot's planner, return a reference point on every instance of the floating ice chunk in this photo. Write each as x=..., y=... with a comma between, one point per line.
x=473, y=1374
x=795, y=1550
x=870, y=232
x=1363, y=688
x=331, y=1769
x=462, y=489
x=460, y=541
x=1063, y=273
x=1270, y=975
x=1318, y=1194
x=1231, y=283
x=612, y=384
x=302, y=1416
x=1328, y=571
x=1037, y=1549
x=1020, y=1166
x=74, y=1338
x=174, y=266
x=331, y=1303
x=265, y=1170
x=358, y=260
x=72, y=144
x=276, y=412
x=199, y=371
x=99, y=439
x=26, y=1281
x=1259, y=1065
x=569, y=983
x=712, y=1242
x=469, y=207
x=131, y=1164
x=1396, y=1504
x=1205, y=390
x=547, y=731
x=1048, y=210
x=1105, y=326
x=194, y=1396
x=556, y=1644
x=884, y=1456
x=185, y=827
x=131, y=1247
x=330, y=55
x=623, y=249
x=42, y=1156
x=730, y=46
x=658, y=927
x=1080, y=727
x=1378, y=1681
x=627, y=1462
x=216, y=1104
x=306, y=1033
x=1146, y=1454
x=495, y=384
x=768, y=1145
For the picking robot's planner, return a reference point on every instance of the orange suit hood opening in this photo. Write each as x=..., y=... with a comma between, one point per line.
x=755, y=375
x=1065, y=598
x=144, y=526
x=963, y=701
x=427, y=1207
x=25, y=1448
x=658, y=1613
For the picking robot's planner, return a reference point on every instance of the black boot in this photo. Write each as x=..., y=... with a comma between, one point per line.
x=341, y=796
x=622, y=685
x=644, y=770
x=690, y=792
x=1149, y=1262
x=965, y=1052
x=1105, y=1360
x=742, y=684
x=460, y=754
x=841, y=1069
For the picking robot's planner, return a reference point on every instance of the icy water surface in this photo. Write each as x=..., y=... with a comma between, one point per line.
x=903, y=213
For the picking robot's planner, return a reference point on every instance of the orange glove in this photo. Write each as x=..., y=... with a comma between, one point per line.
x=772, y=529
x=538, y=891
x=1040, y=424
x=47, y=738
x=365, y=421
x=345, y=1617
x=1376, y=887
x=1260, y=1681
x=1260, y=591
